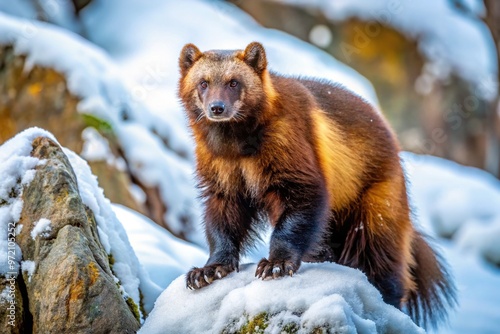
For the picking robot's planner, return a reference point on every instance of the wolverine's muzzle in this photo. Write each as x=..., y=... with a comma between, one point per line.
x=218, y=112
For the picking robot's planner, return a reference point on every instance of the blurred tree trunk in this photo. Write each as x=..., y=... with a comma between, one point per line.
x=492, y=163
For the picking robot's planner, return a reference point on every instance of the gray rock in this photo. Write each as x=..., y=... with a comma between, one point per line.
x=72, y=289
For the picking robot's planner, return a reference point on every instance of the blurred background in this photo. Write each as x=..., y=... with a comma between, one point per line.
x=101, y=75
x=433, y=65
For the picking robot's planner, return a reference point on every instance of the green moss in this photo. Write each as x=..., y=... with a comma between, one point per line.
x=141, y=304
x=111, y=260
x=256, y=325
x=291, y=328
x=98, y=123
x=259, y=323
x=134, y=308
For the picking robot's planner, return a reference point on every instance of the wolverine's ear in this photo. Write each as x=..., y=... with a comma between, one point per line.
x=189, y=55
x=255, y=57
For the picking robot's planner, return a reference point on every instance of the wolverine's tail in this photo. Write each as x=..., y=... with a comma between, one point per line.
x=435, y=292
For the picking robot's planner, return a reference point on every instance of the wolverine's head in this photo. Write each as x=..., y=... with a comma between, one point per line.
x=222, y=85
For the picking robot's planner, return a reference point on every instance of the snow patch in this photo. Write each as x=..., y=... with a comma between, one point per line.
x=164, y=256
x=7, y=295
x=28, y=267
x=95, y=147
x=42, y=227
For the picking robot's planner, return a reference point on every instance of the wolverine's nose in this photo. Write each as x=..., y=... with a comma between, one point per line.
x=217, y=108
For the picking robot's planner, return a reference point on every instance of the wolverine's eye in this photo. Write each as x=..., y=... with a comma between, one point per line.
x=204, y=85
x=233, y=83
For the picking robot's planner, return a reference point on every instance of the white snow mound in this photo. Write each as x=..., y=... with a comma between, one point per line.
x=320, y=295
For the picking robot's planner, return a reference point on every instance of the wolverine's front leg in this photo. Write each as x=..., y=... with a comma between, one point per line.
x=299, y=227
x=227, y=223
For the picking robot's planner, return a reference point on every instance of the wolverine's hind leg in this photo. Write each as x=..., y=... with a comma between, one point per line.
x=378, y=239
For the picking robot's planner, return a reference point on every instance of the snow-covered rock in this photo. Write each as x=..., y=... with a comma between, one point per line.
x=77, y=262
x=324, y=296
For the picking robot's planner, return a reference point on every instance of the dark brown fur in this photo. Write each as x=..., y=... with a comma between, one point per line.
x=316, y=161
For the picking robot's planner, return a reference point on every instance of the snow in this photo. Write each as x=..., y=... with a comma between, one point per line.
x=42, y=228
x=323, y=294
x=88, y=71
x=95, y=146
x=164, y=256
x=16, y=170
x=458, y=202
x=445, y=35
x=479, y=294
x=7, y=295
x=176, y=187
x=60, y=12
x=28, y=267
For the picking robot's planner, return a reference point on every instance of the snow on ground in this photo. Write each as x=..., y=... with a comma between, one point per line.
x=456, y=201
x=478, y=293
x=164, y=256
x=446, y=198
x=323, y=294
x=445, y=35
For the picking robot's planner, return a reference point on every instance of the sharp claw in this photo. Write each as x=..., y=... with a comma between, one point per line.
x=205, y=277
x=290, y=272
x=276, y=272
x=219, y=275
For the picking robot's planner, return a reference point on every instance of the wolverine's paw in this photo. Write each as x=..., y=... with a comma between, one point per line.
x=198, y=278
x=275, y=268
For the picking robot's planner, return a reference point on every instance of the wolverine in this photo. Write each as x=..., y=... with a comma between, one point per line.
x=316, y=162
